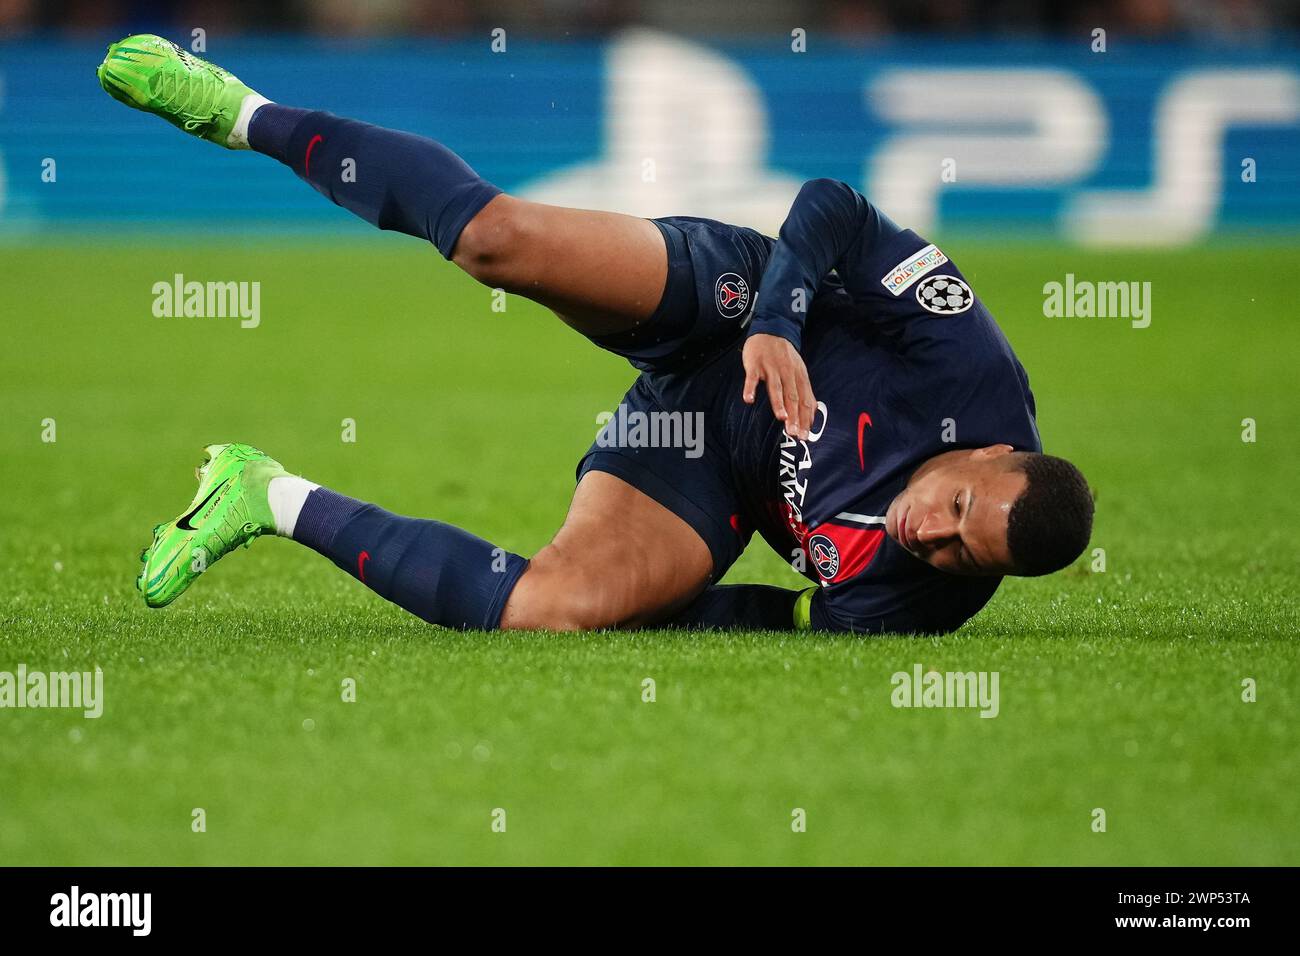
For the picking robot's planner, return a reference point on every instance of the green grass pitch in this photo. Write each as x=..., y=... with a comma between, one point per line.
x=1120, y=690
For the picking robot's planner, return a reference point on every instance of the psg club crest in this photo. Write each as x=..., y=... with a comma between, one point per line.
x=731, y=292
x=825, y=556
x=944, y=295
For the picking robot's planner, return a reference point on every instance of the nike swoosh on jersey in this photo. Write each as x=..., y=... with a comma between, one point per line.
x=864, y=421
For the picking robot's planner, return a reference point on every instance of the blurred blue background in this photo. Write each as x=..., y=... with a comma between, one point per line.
x=1178, y=130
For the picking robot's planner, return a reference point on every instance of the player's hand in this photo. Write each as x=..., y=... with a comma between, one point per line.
x=773, y=361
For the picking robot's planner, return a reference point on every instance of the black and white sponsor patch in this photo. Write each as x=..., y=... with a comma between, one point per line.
x=944, y=295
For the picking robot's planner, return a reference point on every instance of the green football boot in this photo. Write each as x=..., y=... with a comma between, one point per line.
x=229, y=509
x=155, y=75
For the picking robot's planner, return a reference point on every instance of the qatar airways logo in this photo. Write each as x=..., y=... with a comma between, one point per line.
x=794, y=467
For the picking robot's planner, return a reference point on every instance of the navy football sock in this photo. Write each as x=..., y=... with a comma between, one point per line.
x=391, y=179
x=439, y=573
x=271, y=126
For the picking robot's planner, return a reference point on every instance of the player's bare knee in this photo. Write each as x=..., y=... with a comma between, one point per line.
x=556, y=594
x=558, y=611
x=489, y=246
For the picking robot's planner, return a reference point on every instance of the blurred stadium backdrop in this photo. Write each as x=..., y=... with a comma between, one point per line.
x=991, y=125
x=1153, y=142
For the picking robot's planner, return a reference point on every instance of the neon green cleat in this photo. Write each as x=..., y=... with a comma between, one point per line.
x=229, y=509
x=149, y=73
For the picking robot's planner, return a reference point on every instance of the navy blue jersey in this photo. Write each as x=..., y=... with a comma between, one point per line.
x=906, y=363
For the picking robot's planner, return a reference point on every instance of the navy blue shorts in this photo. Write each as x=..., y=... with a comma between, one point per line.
x=670, y=436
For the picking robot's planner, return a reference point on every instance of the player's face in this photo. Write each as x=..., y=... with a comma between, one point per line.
x=953, y=512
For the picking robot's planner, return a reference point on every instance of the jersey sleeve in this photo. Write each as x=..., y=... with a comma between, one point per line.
x=827, y=220
x=831, y=227
x=938, y=605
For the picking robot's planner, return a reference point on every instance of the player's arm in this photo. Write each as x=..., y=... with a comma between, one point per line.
x=853, y=607
x=744, y=607
x=828, y=222
x=939, y=606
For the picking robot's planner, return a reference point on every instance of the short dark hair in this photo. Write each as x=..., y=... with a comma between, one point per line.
x=1050, y=523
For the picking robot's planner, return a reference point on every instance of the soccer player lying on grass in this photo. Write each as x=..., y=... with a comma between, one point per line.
x=868, y=341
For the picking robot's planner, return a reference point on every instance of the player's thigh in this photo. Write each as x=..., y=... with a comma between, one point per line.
x=621, y=559
x=601, y=272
